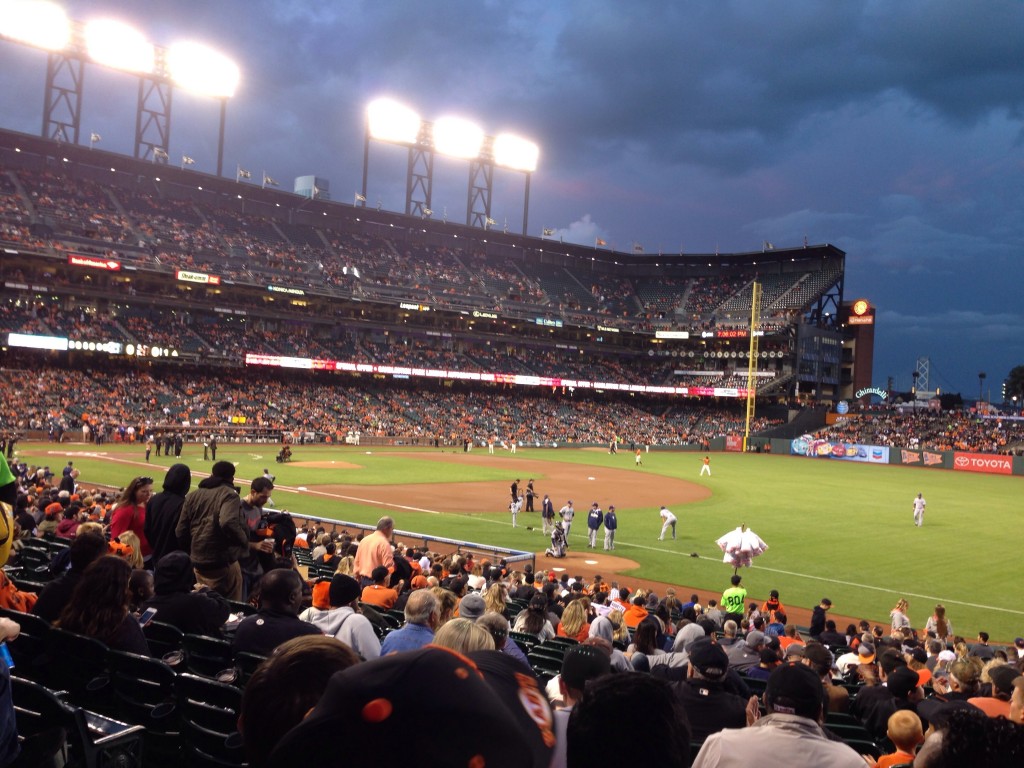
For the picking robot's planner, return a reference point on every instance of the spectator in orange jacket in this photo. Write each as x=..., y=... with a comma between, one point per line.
x=635, y=613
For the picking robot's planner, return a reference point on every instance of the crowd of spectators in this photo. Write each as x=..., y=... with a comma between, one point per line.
x=58, y=400
x=161, y=232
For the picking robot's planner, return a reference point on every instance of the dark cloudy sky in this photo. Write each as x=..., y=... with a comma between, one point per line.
x=890, y=129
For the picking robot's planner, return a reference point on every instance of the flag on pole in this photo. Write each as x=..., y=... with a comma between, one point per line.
x=316, y=192
x=599, y=241
x=241, y=173
x=160, y=152
x=360, y=198
x=428, y=212
x=638, y=248
x=547, y=232
x=267, y=180
x=186, y=160
x=94, y=137
x=490, y=222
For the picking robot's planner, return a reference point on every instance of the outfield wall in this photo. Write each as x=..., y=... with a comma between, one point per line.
x=960, y=461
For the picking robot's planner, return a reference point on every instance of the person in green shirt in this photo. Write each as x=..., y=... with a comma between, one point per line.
x=733, y=600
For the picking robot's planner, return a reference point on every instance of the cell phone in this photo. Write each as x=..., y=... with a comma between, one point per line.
x=147, y=616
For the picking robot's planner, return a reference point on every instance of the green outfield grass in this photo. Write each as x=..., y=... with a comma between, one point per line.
x=840, y=530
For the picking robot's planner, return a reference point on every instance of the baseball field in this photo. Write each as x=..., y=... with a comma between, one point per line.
x=840, y=530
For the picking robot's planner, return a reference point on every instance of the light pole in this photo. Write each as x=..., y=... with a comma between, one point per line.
x=981, y=386
x=915, y=375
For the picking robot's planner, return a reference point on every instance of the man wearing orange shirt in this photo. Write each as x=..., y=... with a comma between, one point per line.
x=375, y=550
x=378, y=593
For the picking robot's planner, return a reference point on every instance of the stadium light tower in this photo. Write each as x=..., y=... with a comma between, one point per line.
x=394, y=123
x=205, y=72
x=113, y=44
x=518, y=154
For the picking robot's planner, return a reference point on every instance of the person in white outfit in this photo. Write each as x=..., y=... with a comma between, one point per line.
x=514, y=507
x=668, y=520
x=919, y=504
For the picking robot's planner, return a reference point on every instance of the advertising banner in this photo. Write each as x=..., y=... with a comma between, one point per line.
x=983, y=462
x=818, y=448
x=921, y=458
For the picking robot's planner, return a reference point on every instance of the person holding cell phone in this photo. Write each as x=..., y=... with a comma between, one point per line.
x=99, y=607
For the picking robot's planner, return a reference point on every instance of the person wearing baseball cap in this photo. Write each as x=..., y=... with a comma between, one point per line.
x=335, y=613
x=997, y=704
x=791, y=731
x=709, y=706
x=581, y=664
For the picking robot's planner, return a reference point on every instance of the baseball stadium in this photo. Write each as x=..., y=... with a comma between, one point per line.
x=457, y=379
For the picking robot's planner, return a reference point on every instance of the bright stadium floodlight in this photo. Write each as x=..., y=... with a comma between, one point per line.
x=514, y=152
x=117, y=45
x=35, y=22
x=387, y=120
x=202, y=70
x=456, y=137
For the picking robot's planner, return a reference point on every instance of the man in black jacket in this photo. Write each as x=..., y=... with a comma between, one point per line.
x=163, y=510
x=194, y=611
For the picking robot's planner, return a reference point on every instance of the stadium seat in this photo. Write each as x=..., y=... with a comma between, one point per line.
x=840, y=718
x=525, y=641
x=246, y=663
x=35, y=564
x=755, y=684
x=847, y=731
x=551, y=650
x=162, y=638
x=78, y=664
x=209, y=718
x=567, y=642
x=545, y=665
x=864, y=747
x=27, y=582
x=206, y=655
x=143, y=692
x=29, y=649
x=94, y=741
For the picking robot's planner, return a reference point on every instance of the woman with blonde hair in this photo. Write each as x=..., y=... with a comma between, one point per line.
x=464, y=636
x=574, y=622
x=621, y=631
x=496, y=599
x=899, y=618
x=939, y=625
x=476, y=578
x=132, y=550
x=345, y=565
